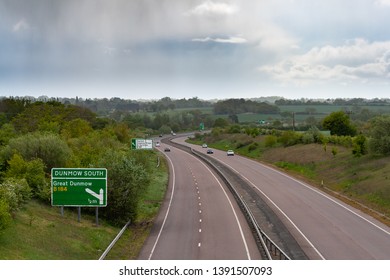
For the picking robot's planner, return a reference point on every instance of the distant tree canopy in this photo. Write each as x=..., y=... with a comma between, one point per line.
x=339, y=124
x=37, y=136
x=380, y=135
x=239, y=106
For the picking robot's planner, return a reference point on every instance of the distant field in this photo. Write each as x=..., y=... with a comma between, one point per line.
x=301, y=112
x=327, y=109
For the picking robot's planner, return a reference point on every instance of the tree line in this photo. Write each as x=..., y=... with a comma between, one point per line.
x=37, y=136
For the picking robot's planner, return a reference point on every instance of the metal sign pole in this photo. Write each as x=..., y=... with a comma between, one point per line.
x=79, y=214
x=97, y=216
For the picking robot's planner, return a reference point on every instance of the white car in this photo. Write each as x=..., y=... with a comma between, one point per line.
x=230, y=153
x=157, y=144
x=204, y=145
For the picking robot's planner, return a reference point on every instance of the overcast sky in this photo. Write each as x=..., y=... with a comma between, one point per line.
x=149, y=49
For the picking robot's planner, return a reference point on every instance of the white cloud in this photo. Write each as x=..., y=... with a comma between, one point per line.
x=357, y=60
x=383, y=2
x=20, y=26
x=230, y=40
x=210, y=8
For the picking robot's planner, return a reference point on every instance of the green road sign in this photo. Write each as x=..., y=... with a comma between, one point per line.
x=79, y=187
x=141, y=144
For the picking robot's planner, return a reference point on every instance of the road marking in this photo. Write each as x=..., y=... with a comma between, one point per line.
x=169, y=207
x=231, y=206
x=316, y=191
x=277, y=207
x=200, y=220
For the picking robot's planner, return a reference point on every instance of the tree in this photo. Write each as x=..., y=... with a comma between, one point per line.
x=380, y=135
x=33, y=172
x=339, y=124
x=127, y=181
x=50, y=148
x=359, y=145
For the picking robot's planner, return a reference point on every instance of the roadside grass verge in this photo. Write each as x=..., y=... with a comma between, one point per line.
x=131, y=242
x=39, y=232
x=360, y=181
x=307, y=170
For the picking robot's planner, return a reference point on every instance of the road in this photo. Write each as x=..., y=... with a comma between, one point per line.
x=199, y=219
x=325, y=227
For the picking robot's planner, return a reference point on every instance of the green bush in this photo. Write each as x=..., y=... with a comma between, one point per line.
x=253, y=146
x=289, y=138
x=5, y=215
x=359, y=145
x=15, y=192
x=380, y=135
x=270, y=141
x=50, y=148
x=127, y=180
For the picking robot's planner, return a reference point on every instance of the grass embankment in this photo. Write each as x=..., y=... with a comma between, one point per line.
x=39, y=232
x=362, y=181
x=130, y=244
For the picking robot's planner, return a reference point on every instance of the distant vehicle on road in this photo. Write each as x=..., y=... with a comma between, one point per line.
x=204, y=145
x=167, y=149
x=230, y=153
x=209, y=151
x=157, y=144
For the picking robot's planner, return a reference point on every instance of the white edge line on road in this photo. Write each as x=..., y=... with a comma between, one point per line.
x=326, y=196
x=281, y=211
x=169, y=207
x=231, y=205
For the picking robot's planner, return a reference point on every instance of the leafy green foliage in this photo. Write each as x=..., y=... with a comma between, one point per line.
x=127, y=181
x=5, y=215
x=359, y=145
x=7, y=132
x=51, y=116
x=289, y=138
x=76, y=128
x=33, y=172
x=237, y=106
x=221, y=122
x=380, y=135
x=13, y=193
x=49, y=147
x=339, y=124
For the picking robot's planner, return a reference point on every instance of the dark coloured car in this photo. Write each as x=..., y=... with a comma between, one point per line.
x=167, y=149
x=209, y=151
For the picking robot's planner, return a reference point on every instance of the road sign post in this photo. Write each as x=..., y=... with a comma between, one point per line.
x=79, y=187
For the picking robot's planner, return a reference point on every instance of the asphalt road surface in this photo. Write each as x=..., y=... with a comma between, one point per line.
x=325, y=227
x=199, y=219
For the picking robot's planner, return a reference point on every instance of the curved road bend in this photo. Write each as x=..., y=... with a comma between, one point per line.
x=325, y=227
x=199, y=218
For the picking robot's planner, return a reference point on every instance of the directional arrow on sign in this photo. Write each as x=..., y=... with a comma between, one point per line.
x=98, y=196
